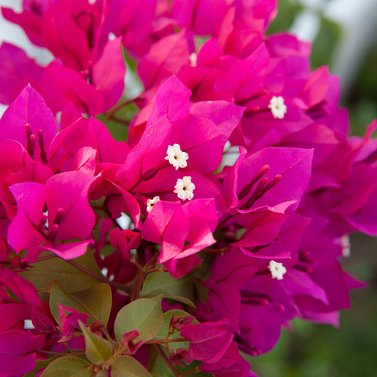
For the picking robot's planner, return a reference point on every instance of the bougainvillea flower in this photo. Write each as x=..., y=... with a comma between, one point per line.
x=212, y=343
x=18, y=346
x=232, y=364
x=24, y=297
x=91, y=133
x=69, y=321
x=208, y=341
x=53, y=212
x=90, y=82
x=198, y=134
x=18, y=352
x=191, y=220
x=29, y=121
x=16, y=70
x=185, y=230
x=133, y=21
x=269, y=177
x=124, y=241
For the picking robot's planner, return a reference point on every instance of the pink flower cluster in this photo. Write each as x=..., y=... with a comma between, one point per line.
x=238, y=179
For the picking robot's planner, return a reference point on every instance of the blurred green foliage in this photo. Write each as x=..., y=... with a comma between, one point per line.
x=362, y=99
x=311, y=350
x=287, y=11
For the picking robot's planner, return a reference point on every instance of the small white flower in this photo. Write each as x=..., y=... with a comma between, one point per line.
x=176, y=157
x=277, y=107
x=193, y=59
x=184, y=188
x=277, y=270
x=152, y=202
x=346, y=246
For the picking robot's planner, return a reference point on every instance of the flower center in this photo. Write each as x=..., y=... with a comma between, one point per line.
x=152, y=202
x=184, y=188
x=176, y=156
x=277, y=107
x=277, y=270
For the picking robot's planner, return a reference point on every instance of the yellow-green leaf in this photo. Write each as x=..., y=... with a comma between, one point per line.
x=127, y=366
x=94, y=301
x=97, y=349
x=68, y=366
x=71, y=279
x=144, y=315
x=179, y=290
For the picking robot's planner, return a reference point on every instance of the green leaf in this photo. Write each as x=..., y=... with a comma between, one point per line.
x=128, y=366
x=67, y=366
x=174, y=289
x=97, y=349
x=95, y=301
x=144, y=315
x=102, y=373
x=157, y=365
x=44, y=273
x=98, y=300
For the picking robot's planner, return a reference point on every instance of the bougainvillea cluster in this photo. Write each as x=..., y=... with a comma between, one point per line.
x=174, y=232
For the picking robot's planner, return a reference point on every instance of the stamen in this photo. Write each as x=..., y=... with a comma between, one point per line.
x=176, y=156
x=248, y=187
x=253, y=298
x=59, y=216
x=263, y=186
x=41, y=146
x=30, y=140
x=52, y=232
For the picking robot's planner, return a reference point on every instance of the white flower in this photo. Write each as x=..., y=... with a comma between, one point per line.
x=277, y=270
x=152, y=202
x=184, y=188
x=277, y=107
x=176, y=157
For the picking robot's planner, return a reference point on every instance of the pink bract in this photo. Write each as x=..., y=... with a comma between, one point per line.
x=217, y=202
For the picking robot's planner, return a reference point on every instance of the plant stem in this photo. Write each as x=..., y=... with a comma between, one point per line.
x=119, y=107
x=139, y=283
x=100, y=278
x=47, y=257
x=167, y=341
x=121, y=121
